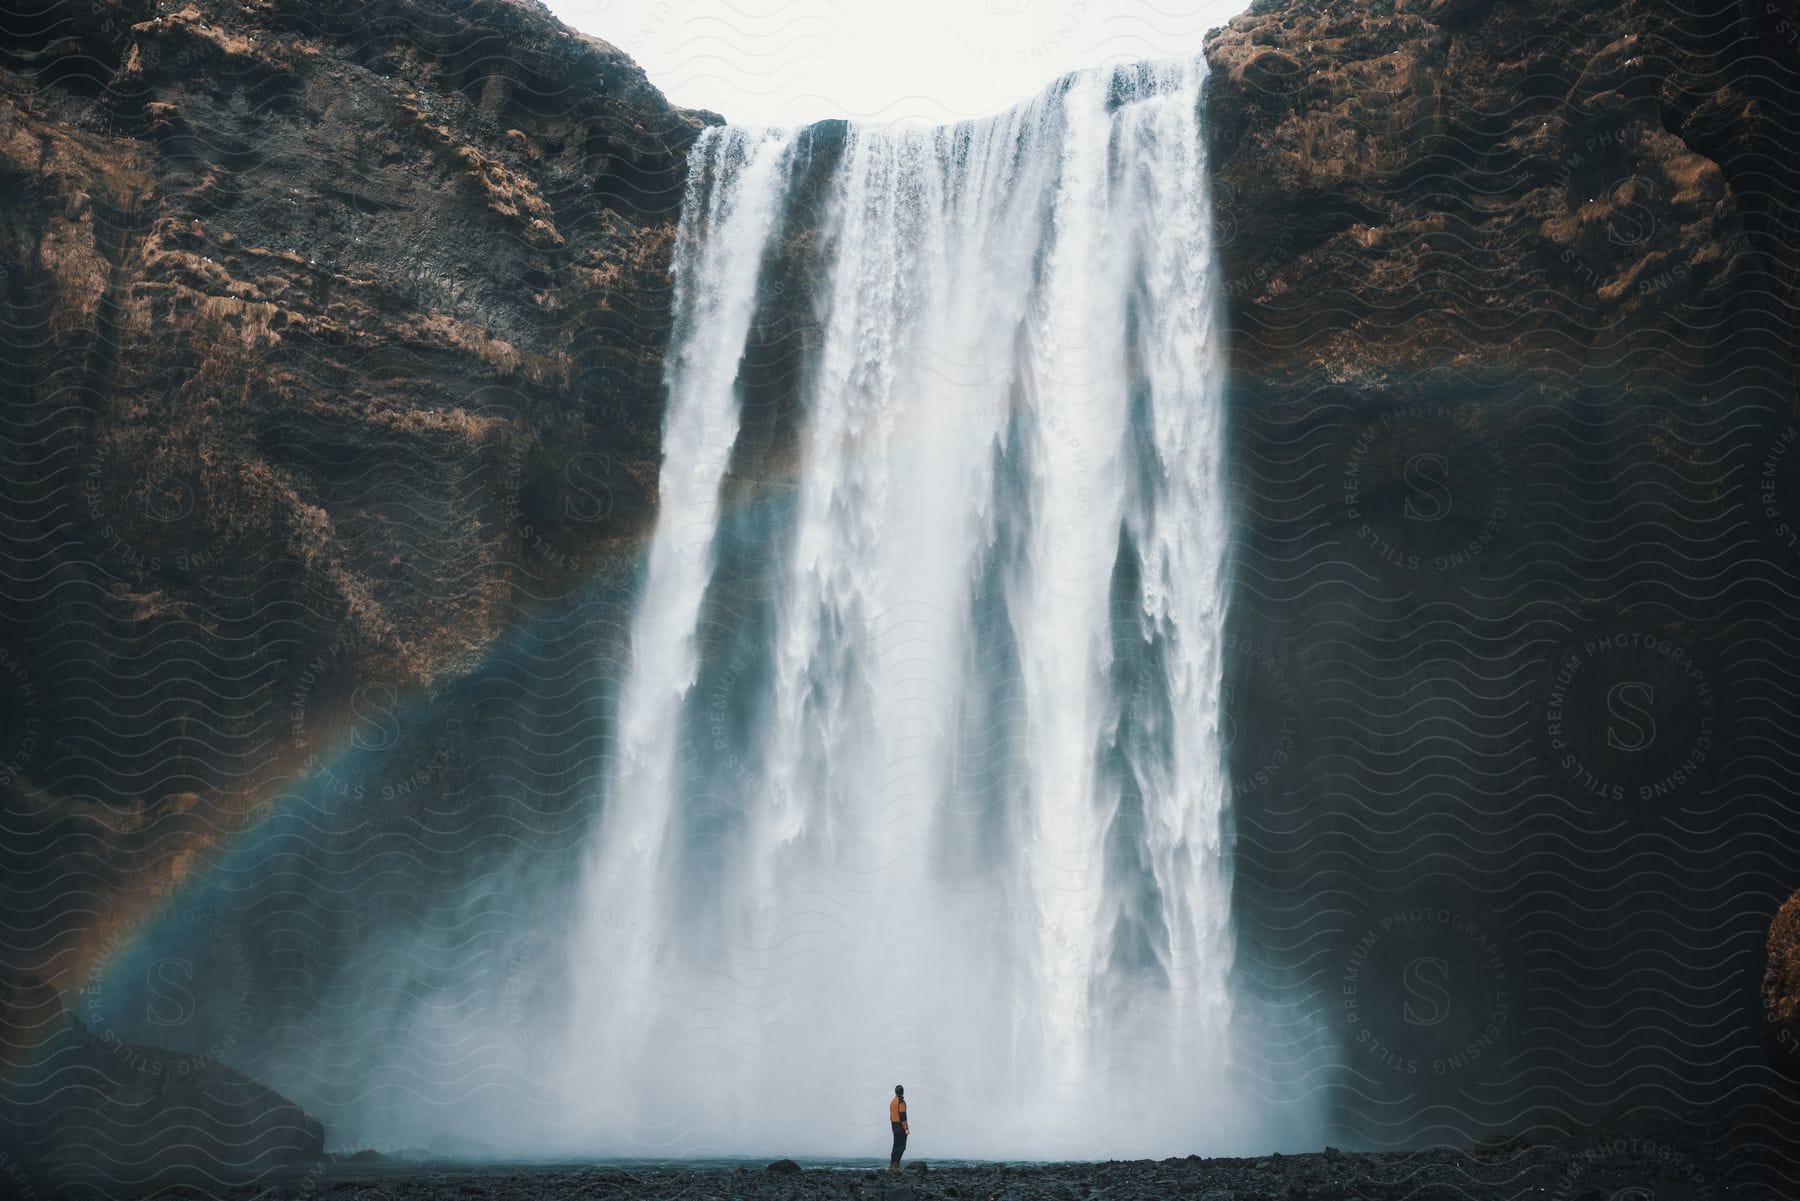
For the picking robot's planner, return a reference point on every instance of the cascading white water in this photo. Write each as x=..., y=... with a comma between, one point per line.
x=936, y=797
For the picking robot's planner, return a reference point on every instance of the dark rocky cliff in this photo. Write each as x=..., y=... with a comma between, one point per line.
x=1410, y=190
x=333, y=339
x=1512, y=292
x=331, y=388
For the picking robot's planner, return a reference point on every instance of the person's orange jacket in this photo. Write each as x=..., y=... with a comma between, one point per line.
x=897, y=1113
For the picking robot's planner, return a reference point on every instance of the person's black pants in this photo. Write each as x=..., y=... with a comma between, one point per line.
x=899, y=1143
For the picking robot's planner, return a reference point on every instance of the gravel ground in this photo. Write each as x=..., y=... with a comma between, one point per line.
x=1741, y=1157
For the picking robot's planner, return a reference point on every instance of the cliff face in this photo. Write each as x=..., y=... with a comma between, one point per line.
x=333, y=338
x=1414, y=188
x=1511, y=291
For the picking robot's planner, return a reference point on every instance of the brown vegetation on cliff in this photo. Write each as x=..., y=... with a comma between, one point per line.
x=1512, y=297
x=326, y=322
x=1420, y=187
x=1781, y=986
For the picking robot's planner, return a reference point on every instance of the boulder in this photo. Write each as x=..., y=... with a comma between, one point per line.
x=783, y=1165
x=77, y=1106
x=1781, y=986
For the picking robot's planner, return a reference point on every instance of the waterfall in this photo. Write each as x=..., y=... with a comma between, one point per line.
x=918, y=776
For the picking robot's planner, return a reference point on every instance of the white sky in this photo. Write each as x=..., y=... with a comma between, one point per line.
x=783, y=62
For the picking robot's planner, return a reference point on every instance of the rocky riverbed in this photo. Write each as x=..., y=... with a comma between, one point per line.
x=1740, y=1155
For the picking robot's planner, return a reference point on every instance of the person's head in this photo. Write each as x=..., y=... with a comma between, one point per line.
x=899, y=1090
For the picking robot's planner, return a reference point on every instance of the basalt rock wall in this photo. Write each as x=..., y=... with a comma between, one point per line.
x=1511, y=291
x=333, y=337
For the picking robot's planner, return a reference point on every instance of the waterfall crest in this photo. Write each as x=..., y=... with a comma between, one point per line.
x=918, y=777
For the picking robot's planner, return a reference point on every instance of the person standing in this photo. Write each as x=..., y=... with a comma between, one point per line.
x=902, y=1128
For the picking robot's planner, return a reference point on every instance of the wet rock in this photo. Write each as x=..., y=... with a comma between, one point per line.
x=1471, y=228
x=31, y=1016
x=1453, y=12
x=1781, y=986
x=265, y=246
x=783, y=1165
x=1601, y=222
x=81, y=1106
